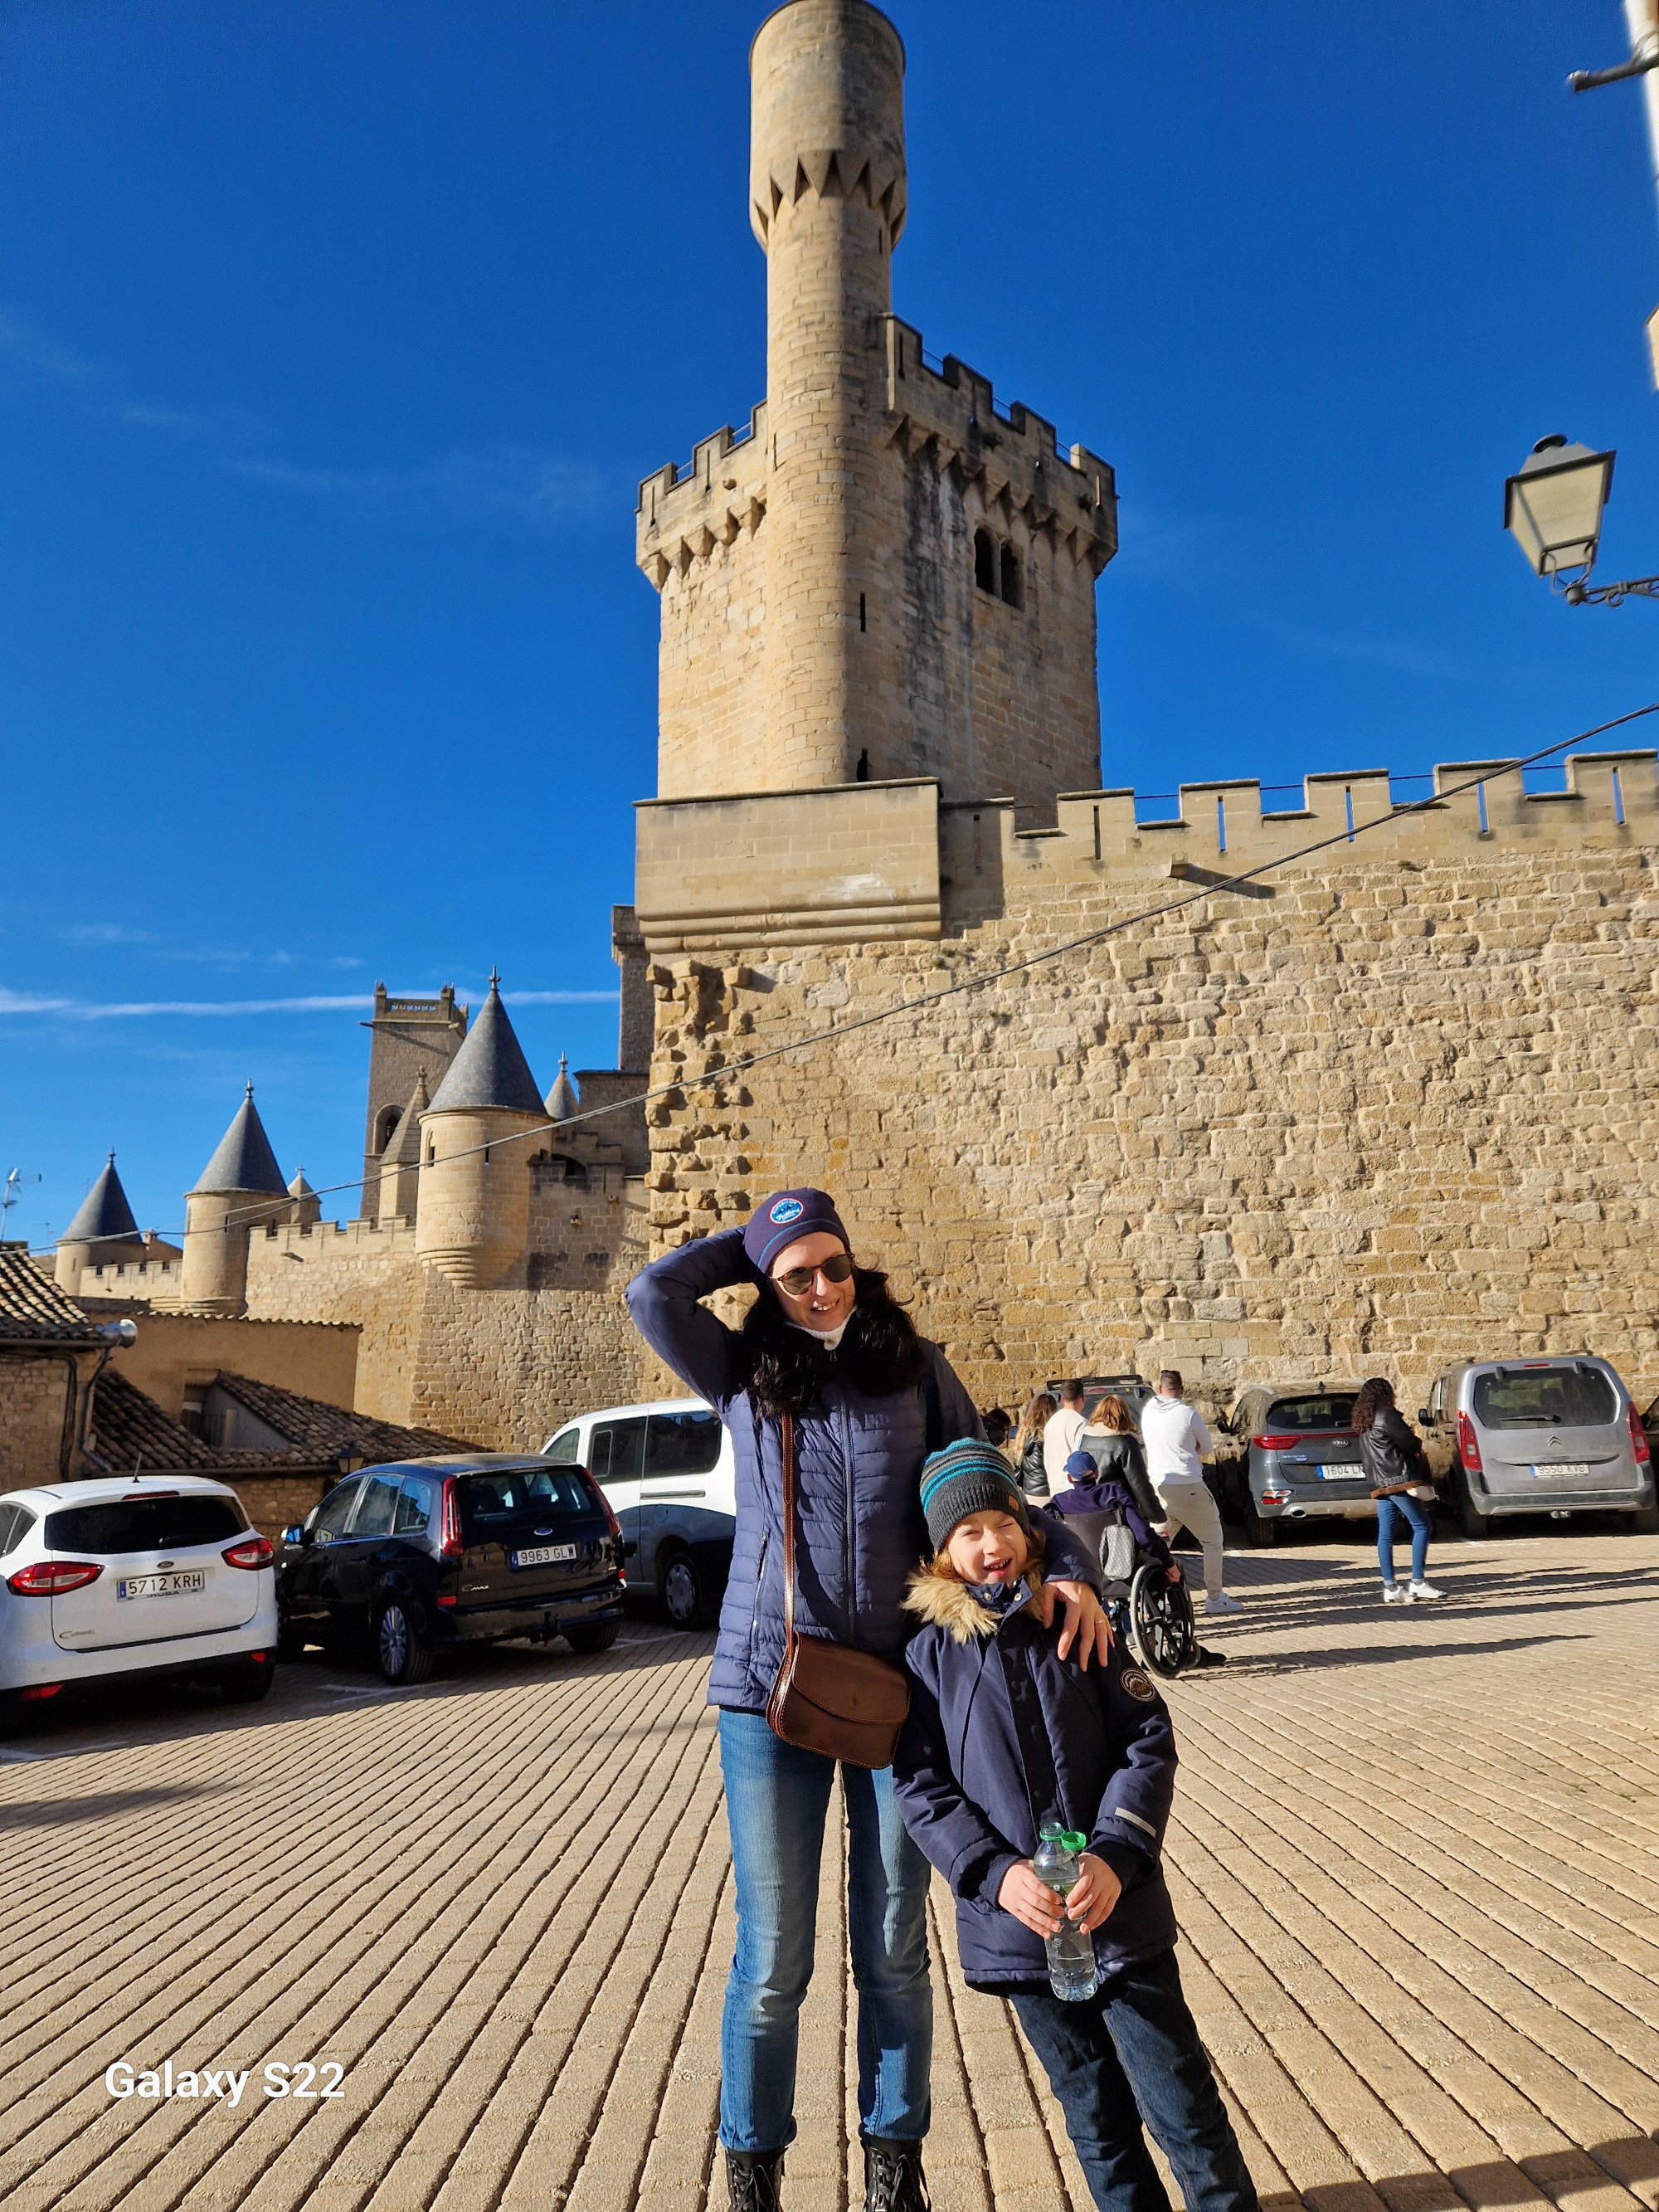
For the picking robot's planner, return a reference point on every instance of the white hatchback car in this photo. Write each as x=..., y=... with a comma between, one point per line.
x=133, y=1575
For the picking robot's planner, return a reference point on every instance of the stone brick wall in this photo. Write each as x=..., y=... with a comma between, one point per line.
x=1394, y=1112
x=503, y=1366
x=31, y=1405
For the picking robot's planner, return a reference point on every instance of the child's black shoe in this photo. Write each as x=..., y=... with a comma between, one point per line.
x=893, y=2179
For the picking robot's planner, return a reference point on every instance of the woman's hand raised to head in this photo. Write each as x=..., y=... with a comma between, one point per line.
x=1085, y=1621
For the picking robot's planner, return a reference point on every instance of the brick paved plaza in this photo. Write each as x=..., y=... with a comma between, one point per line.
x=1415, y=1853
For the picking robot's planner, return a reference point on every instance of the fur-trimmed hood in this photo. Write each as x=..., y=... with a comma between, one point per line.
x=935, y=1595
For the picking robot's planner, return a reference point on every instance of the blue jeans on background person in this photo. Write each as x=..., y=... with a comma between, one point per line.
x=1421, y=1522
x=1132, y=2049
x=777, y=1798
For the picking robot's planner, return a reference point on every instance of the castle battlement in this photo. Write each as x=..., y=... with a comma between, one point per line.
x=1012, y=461
x=682, y=518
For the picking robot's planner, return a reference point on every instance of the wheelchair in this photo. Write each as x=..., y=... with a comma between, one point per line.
x=1152, y=1615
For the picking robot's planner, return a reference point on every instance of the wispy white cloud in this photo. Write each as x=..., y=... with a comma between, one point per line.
x=509, y=482
x=106, y=933
x=515, y=483
x=40, y=1003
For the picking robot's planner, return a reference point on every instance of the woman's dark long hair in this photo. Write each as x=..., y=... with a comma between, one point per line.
x=879, y=1355
x=1373, y=1397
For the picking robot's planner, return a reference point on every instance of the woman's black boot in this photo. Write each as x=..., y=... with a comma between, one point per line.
x=753, y=2178
x=893, y=2179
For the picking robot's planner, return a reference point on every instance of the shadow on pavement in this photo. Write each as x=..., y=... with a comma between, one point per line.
x=1372, y=1654
x=109, y=1805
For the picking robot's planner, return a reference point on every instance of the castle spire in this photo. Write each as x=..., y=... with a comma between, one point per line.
x=490, y=1069
x=243, y=1159
x=104, y=1213
x=563, y=1102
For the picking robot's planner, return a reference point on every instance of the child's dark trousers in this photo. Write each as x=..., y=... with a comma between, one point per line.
x=1132, y=2052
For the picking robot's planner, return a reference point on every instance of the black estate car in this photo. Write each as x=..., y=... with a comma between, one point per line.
x=412, y=1559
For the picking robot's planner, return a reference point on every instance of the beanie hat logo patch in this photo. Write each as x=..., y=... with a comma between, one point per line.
x=787, y=1210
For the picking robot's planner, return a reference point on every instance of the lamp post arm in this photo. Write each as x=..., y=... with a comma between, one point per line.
x=1608, y=595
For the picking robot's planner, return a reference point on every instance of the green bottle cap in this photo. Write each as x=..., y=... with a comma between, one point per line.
x=1072, y=1841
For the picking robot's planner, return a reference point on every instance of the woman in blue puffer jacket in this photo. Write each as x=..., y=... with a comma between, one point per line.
x=825, y=1343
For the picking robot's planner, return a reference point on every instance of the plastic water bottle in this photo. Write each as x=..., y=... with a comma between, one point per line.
x=1071, y=1972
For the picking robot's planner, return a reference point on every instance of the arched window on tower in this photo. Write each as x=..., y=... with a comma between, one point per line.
x=385, y=1122
x=985, y=562
x=1013, y=584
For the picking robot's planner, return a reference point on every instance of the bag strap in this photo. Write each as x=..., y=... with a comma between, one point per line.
x=787, y=1437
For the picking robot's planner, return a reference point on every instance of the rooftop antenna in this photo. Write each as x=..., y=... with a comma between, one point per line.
x=15, y=1180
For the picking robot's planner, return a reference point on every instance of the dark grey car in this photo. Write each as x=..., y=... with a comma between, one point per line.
x=1293, y=1457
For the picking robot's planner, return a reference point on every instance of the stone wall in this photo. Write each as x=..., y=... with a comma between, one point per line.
x=501, y=1366
x=33, y=1390
x=174, y=1350
x=1391, y=1111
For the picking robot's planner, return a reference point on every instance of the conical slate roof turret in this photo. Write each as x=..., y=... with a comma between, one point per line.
x=244, y=1160
x=490, y=1068
x=300, y=1187
x=405, y=1148
x=563, y=1100
x=103, y=1212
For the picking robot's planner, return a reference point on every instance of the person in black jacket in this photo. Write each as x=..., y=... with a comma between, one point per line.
x=1003, y=1736
x=1027, y=1446
x=1113, y=1442
x=1399, y=1471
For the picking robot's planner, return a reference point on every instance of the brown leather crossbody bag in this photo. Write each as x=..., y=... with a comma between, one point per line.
x=825, y=1696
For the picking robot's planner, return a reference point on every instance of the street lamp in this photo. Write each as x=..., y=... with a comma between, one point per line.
x=1552, y=509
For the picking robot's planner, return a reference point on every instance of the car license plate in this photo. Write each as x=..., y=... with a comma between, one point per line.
x=1562, y=1466
x=546, y=1555
x=1337, y=1473
x=162, y=1585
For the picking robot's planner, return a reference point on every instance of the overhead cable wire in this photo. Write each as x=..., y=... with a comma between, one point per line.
x=727, y=1069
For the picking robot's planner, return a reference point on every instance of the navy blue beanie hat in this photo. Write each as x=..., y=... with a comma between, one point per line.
x=782, y=1219
x=967, y=1477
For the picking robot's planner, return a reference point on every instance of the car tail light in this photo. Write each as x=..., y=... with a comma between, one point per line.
x=1275, y=1443
x=143, y=1497
x=52, y=1577
x=449, y=1521
x=252, y=1551
x=40, y=1690
x=447, y=1597
x=1468, y=1450
x=601, y=1501
x=1638, y=1439
x=1275, y=1496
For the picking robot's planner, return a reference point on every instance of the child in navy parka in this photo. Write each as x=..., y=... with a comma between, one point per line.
x=1004, y=1736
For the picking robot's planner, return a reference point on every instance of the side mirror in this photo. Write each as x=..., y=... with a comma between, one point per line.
x=1425, y=1418
x=296, y=1535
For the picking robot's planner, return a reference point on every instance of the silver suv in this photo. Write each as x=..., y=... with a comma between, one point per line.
x=1555, y=1436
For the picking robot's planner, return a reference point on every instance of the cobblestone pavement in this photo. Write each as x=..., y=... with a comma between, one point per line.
x=1415, y=1856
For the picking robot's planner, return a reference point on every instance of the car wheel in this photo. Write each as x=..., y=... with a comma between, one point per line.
x=1470, y=1519
x=684, y=1588
x=592, y=1636
x=402, y=1657
x=246, y=1683
x=1260, y=1533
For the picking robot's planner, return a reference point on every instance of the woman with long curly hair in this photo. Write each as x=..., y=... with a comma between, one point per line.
x=1393, y=1459
x=1026, y=1445
x=826, y=1343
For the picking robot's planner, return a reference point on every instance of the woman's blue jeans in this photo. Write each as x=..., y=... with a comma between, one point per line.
x=1421, y=1522
x=776, y=1802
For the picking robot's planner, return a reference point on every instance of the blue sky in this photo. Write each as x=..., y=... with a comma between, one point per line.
x=335, y=338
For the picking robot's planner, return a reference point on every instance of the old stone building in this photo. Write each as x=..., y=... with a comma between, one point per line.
x=1386, y=1107
x=1382, y=1106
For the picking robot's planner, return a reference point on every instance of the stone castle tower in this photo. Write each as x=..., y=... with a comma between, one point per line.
x=887, y=576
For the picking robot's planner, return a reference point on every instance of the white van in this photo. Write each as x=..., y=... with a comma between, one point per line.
x=668, y=1472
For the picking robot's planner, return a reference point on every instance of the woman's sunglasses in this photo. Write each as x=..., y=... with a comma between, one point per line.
x=798, y=1280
